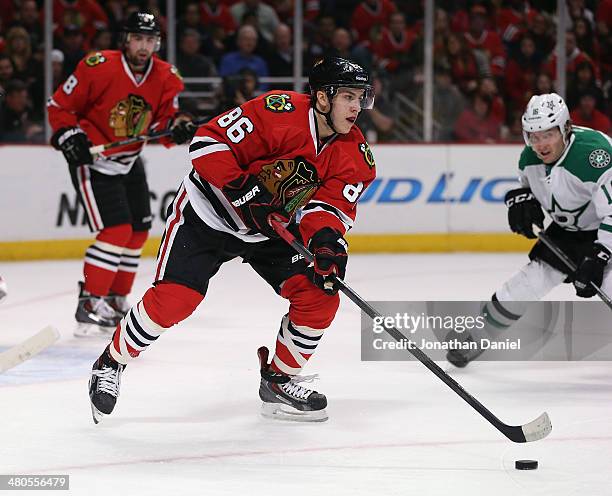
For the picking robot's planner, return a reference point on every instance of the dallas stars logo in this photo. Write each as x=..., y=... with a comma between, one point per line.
x=568, y=219
x=599, y=158
x=279, y=103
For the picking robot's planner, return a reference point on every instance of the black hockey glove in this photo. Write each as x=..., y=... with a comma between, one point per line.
x=254, y=203
x=330, y=251
x=73, y=143
x=183, y=131
x=591, y=270
x=523, y=211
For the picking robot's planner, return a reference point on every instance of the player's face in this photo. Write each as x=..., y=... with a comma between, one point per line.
x=139, y=48
x=548, y=145
x=346, y=108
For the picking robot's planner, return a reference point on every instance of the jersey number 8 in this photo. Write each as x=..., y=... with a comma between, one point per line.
x=70, y=84
x=238, y=129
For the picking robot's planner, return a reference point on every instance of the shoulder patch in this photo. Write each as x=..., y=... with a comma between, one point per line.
x=176, y=72
x=278, y=103
x=95, y=59
x=368, y=156
x=599, y=158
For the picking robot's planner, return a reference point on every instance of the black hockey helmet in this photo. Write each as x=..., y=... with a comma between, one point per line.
x=143, y=23
x=331, y=73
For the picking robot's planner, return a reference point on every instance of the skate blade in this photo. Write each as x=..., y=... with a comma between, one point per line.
x=96, y=414
x=92, y=331
x=278, y=411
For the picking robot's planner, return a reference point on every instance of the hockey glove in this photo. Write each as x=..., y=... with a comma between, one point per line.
x=330, y=256
x=254, y=204
x=73, y=143
x=183, y=131
x=591, y=270
x=523, y=211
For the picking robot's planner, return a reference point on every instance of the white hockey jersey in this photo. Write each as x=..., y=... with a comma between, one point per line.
x=576, y=190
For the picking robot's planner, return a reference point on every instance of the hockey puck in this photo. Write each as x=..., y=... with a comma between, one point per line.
x=526, y=464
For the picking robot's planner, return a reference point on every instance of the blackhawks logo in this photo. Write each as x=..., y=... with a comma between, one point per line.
x=279, y=103
x=599, y=158
x=368, y=156
x=94, y=59
x=130, y=117
x=293, y=182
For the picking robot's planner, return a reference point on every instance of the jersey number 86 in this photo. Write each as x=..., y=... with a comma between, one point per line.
x=237, y=129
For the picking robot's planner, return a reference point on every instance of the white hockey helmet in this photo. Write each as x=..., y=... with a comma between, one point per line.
x=545, y=112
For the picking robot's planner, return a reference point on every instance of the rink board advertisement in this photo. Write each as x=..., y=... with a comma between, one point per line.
x=425, y=197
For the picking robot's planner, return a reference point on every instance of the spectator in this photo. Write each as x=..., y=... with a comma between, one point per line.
x=441, y=30
x=462, y=61
x=342, y=46
x=192, y=19
x=371, y=15
x=217, y=44
x=239, y=89
x=585, y=37
x=267, y=20
x=233, y=62
x=487, y=44
x=513, y=133
x=487, y=87
x=19, y=49
x=521, y=73
x=588, y=116
x=72, y=48
x=577, y=10
x=476, y=125
x=190, y=62
x=280, y=61
x=215, y=13
x=396, y=43
x=575, y=56
x=543, y=33
x=102, y=40
x=15, y=124
x=85, y=15
x=28, y=17
x=322, y=39
x=37, y=89
x=514, y=20
x=7, y=71
x=544, y=84
x=583, y=81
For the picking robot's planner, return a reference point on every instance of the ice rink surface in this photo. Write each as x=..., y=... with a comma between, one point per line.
x=188, y=423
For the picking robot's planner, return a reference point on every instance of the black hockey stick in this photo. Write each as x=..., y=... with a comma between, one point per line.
x=532, y=431
x=571, y=265
x=94, y=150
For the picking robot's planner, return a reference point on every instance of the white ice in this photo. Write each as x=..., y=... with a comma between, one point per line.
x=188, y=423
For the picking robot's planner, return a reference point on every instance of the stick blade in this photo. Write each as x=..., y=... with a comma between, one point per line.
x=29, y=348
x=537, y=429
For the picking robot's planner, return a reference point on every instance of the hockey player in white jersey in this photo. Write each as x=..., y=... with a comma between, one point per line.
x=567, y=171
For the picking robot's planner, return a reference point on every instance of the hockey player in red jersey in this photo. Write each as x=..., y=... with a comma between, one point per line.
x=285, y=155
x=111, y=96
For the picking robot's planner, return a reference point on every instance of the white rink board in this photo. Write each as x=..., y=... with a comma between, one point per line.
x=419, y=189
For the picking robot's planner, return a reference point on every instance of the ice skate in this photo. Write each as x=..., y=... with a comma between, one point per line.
x=285, y=399
x=104, y=385
x=118, y=303
x=94, y=316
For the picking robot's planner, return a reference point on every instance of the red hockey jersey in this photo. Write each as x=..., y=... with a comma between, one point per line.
x=275, y=137
x=104, y=99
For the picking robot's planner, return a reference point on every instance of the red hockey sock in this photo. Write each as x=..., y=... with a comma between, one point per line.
x=128, y=264
x=161, y=307
x=102, y=258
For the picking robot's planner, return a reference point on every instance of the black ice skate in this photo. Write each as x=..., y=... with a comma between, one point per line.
x=104, y=385
x=118, y=303
x=94, y=316
x=284, y=399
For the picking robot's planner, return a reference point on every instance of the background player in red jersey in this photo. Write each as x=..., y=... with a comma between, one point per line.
x=112, y=95
x=280, y=154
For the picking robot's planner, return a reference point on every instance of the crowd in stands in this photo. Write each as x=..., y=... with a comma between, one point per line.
x=490, y=56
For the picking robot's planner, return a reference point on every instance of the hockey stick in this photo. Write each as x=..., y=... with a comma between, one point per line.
x=30, y=347
x=532, y=431
x=569, y=264
x=94, y=150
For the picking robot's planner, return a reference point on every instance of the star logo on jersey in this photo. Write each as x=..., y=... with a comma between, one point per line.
x=279, y=103
x=293, y=182
x=130, y=117
x=368, y=156
x=567, y=219
x=599, y=158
